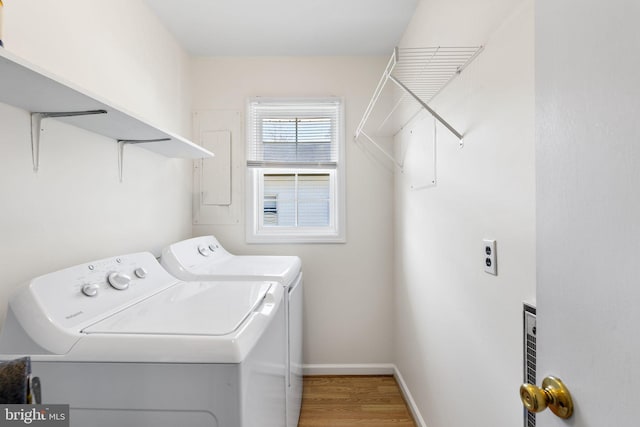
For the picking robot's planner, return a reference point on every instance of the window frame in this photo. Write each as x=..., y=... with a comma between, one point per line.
x=256, y=231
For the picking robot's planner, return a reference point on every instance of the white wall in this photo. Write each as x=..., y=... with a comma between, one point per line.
x=75, y=210
x=458, y=329
x=118, y=50
x=348, y=291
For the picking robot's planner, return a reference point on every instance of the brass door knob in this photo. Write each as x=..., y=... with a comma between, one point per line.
x=553, y=394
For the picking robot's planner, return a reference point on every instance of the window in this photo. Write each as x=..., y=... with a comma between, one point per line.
x=295, y=159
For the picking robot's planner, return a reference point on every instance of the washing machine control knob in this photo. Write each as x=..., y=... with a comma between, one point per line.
x=120, y=281
x=90, y=289
x=140, y=273
x=204, y=251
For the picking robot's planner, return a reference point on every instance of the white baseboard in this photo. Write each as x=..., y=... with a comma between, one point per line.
x=350, y=369
x=417, y=416
x=369, y=369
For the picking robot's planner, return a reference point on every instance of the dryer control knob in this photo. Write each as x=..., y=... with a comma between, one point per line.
x=90, y=289
x=204, y=251
x=120, y=281
x=140, y=273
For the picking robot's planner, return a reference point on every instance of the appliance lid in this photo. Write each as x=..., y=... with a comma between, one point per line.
x=281, y=268
x=188, y=308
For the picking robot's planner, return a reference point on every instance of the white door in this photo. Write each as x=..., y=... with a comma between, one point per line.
x=588, y=206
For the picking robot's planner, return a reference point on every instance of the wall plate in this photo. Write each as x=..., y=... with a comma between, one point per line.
x=490, y=256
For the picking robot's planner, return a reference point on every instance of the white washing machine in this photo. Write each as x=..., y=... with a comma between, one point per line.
x=204, y=258
x=125, y=343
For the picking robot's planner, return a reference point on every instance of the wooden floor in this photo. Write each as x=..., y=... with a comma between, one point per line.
x=338, y=401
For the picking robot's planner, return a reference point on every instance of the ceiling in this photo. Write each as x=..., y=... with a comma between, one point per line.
x=286, y=27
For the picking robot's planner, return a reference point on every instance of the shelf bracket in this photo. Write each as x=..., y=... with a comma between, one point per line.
x=426, y=107
x=382, y=150
x=123, y=142
x=36, y=128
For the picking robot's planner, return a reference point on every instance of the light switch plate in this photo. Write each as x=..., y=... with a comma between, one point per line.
x=490, y=256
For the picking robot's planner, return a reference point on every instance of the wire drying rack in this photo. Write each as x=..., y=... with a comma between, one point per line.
x=420, y=74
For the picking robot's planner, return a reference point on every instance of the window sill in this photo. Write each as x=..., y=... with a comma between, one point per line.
x=294, y=238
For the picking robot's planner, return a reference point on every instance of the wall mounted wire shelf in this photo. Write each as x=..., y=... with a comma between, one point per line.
x=418, y=75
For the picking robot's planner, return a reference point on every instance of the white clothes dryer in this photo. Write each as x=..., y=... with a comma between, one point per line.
x=125, y=343
x=204, y=258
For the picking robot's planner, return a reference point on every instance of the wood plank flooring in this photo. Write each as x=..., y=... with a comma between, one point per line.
x=342, y=401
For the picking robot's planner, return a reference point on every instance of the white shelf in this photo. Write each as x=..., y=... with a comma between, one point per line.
x=416, y=75
x=33, y=89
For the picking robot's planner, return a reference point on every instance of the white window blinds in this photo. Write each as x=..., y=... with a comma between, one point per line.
x=295, y=134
